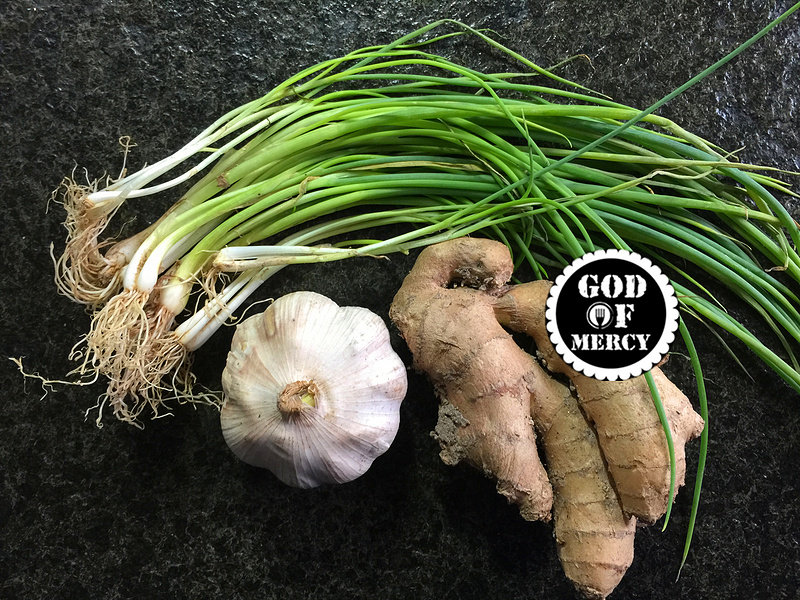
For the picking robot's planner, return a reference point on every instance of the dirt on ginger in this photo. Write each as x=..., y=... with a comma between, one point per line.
x=605, y=450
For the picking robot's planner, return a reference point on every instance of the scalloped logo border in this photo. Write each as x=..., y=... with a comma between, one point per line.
x=661, y=348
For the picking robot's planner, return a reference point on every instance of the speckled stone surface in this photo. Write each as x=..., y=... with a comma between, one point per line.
x=168, y=512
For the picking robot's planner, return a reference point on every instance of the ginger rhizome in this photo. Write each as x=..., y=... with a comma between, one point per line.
x=628, y=428
x=478, y=370
x=605, y=449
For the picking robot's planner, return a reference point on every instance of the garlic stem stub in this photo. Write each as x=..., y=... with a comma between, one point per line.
x=312, y=390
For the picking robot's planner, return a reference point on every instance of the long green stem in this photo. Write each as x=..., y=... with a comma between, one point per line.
x=701, y=462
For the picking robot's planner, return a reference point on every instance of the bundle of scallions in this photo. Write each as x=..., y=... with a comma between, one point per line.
x=398, y=139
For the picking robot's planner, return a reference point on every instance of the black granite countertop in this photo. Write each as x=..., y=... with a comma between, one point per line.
x=168, y=511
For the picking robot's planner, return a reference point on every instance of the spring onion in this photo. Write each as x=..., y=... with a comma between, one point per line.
x=398, y=139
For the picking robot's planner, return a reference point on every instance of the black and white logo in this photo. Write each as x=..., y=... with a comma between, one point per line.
x=612, y=314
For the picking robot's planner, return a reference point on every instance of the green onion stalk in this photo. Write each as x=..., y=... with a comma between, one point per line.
x=391, y=148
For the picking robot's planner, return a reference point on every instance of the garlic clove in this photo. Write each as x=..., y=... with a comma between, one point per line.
x=313, y=390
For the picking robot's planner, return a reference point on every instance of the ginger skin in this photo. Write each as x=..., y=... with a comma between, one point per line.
x=450, y=310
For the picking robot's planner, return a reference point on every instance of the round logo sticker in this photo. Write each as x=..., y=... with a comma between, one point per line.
x=612, y=314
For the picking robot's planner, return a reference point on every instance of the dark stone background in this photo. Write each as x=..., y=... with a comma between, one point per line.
x=168, y=512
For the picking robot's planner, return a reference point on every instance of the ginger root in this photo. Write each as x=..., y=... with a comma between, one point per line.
x=605, y=449
x=622, y=412
x=477, y=369
x=593, y=535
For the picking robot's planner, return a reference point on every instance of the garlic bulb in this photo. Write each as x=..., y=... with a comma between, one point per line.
x=313, y=390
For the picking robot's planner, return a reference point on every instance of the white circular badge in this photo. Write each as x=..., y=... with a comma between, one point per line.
x=612, y=315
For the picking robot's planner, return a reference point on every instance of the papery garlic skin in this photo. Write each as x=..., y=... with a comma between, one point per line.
x=348, y=418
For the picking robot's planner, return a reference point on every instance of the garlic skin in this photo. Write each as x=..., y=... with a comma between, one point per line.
x=313, y=390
